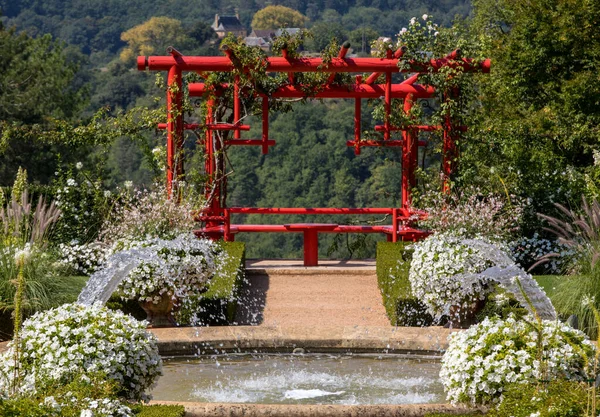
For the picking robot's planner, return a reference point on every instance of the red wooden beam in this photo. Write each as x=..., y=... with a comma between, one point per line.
x=212, y=126
x=334, y=91
x=280, y=64
x=383, y=143
x=373, y=77
x=342, y=54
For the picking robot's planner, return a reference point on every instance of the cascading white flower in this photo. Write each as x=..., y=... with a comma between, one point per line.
x=482, y=360
x=437, y=263
x=181, y=267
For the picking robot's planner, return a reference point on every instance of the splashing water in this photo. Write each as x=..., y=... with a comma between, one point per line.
x=508, y=275
x=302, y=379
x=105, y=281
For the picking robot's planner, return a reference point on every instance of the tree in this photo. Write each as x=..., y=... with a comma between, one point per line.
x=540, y=124
x=276, y=17
x=323, y=33
x=36, y=83
x=154, y=36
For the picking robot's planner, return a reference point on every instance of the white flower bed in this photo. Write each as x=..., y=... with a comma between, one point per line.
x=59, y=343
x=435, y=268
x=180, y=267
x=480, y=361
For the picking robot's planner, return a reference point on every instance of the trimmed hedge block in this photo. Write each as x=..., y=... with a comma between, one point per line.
x=219, y=303
x=393, y=265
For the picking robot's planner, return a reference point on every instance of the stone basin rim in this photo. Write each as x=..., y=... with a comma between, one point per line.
x=194, y=409
x=183, y=341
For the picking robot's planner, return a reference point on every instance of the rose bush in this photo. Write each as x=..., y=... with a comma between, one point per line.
x=61, y=343
x=481, y=361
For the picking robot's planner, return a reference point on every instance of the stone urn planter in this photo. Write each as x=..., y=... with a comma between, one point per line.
x=462, y=318
x=161, y=314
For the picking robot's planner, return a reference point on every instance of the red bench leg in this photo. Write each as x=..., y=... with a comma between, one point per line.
x=311, y=248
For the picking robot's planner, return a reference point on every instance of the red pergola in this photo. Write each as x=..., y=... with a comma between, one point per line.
x=216, y=218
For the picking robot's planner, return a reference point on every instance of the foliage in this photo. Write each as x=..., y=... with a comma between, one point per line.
x=481, y=361
x=153, y=37
x=528, y=251
x=275, y=17
x=444, y=273
x=537, y=105
x=580, y=232
x=85, y=395
x=61, y=344
x=83, y=204
x=218, y=304
x=159, y=410
x=179, y=268
x=393, y=263
x=558, y=398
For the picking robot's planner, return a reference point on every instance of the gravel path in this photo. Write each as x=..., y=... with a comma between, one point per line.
x=280, y=294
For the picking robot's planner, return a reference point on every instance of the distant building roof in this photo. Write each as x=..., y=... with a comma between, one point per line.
x=256, y=41
x=225, y=24
x=263, y=33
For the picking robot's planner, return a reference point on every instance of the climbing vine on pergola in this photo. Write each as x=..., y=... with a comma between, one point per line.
x=237, y=79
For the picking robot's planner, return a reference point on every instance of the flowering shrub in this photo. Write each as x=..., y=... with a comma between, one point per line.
x=434, y=273
x=488, y=356
x=472, y=213
x=180, y=267
x=527, y=251
x=58, y=344
x=139, y=214
x=83, y=204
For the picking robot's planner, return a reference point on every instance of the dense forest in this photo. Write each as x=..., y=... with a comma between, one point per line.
x=66, y=60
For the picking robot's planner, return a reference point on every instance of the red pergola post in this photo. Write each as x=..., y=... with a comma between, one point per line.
x=174, y=127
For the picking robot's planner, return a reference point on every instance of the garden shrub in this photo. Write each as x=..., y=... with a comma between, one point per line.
x=88, y=394
x=483, y=360
x=60, y=344
x=218, y=304
x=559, y=398
x=403, y=309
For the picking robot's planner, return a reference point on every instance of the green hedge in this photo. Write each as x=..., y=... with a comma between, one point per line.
x=393, y=264
x=219, y=302
x=159, y=410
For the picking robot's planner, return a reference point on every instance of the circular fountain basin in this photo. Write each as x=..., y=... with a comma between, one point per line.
x=338, y=379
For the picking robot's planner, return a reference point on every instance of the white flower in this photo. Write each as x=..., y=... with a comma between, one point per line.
x=480, y=361
x=86, y=413
x=425, y=17
x=403, y=31
x=107, y=193
x=444, y=272
x=128, y=184
x=79, y=165
x=62, y=343
x=22, y=255
x=71, y=182
x=413, y=21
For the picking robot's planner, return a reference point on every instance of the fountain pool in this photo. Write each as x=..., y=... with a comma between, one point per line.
x=343, y=379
